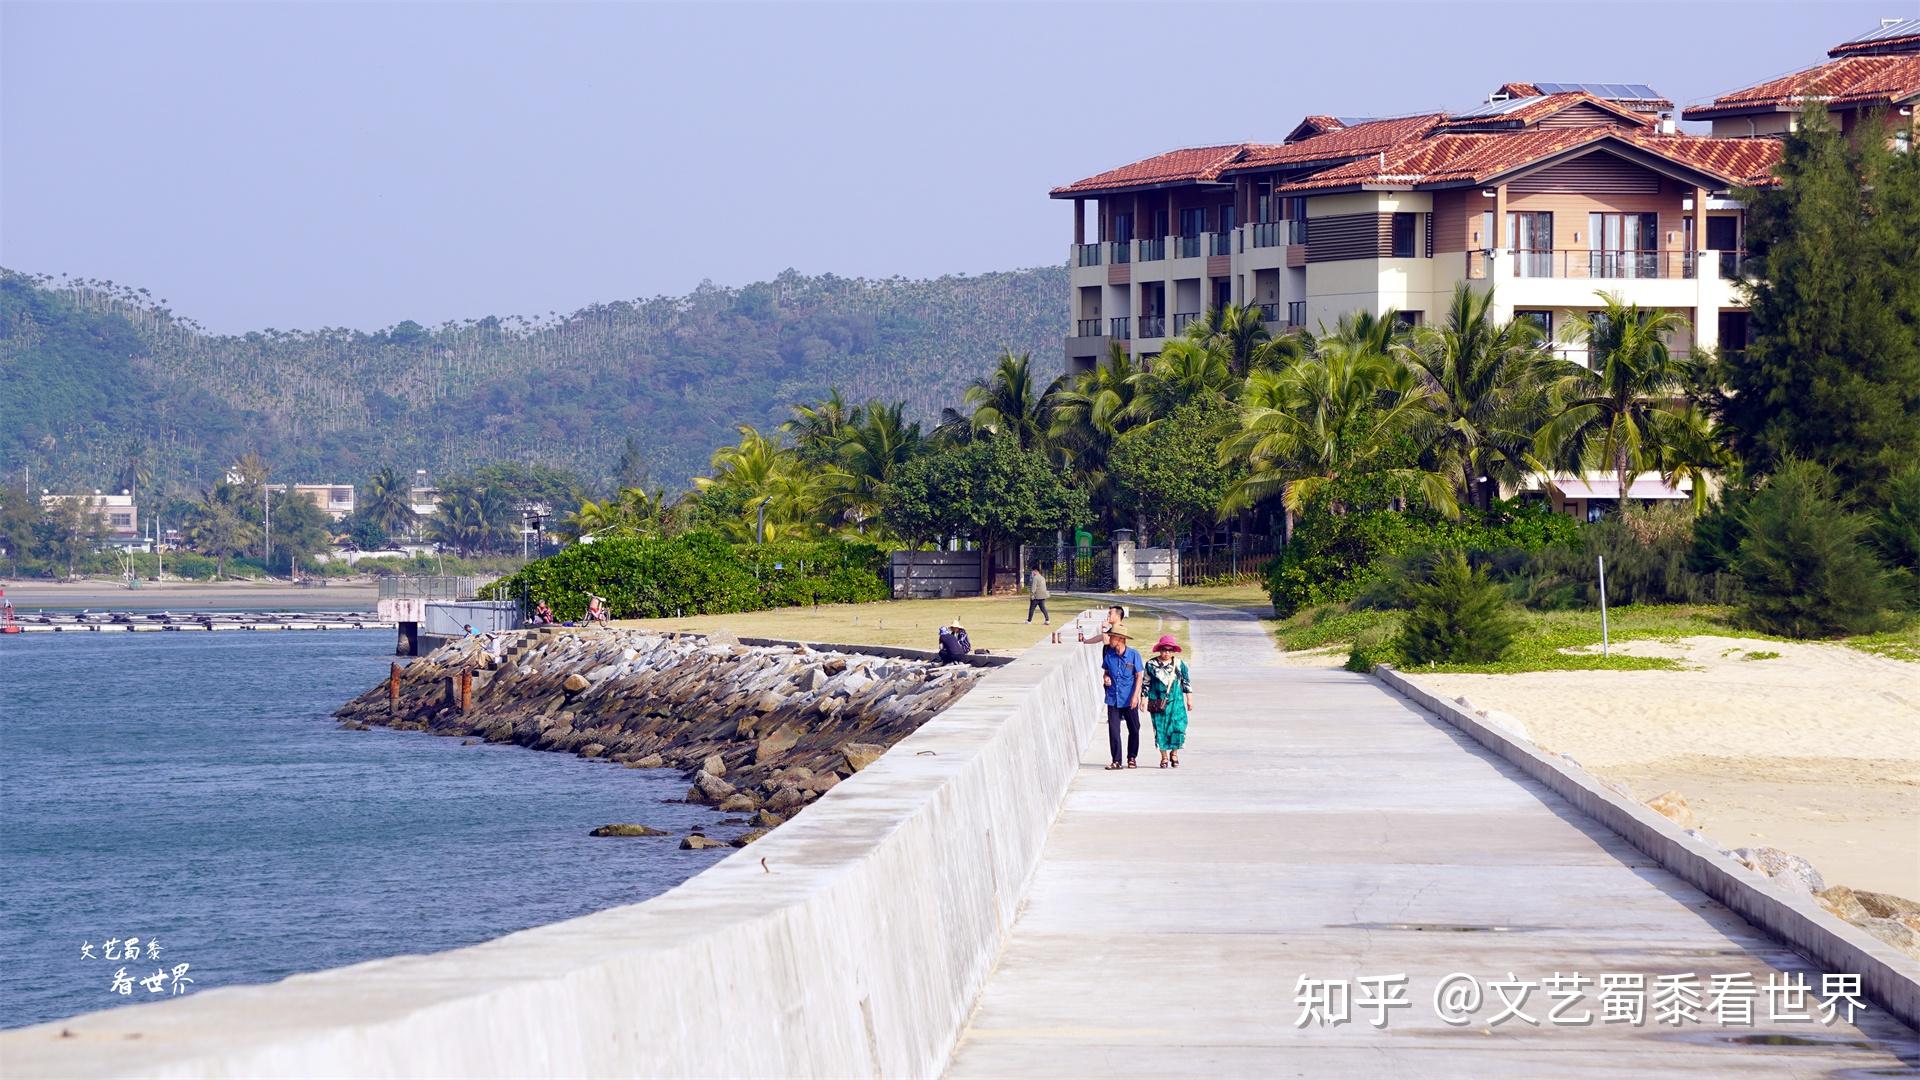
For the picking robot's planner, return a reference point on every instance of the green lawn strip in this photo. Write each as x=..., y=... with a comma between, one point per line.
x=1900, y=643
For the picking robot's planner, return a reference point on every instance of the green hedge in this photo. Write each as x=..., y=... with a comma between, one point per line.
x=698, y=573
x=1330, y=555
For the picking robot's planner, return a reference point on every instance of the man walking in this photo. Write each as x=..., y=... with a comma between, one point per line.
x=1122, y=674
x=1037, y=596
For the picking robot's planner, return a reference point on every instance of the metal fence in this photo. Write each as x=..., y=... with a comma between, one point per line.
x=432, y=587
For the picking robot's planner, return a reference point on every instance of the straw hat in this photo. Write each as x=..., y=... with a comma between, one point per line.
x=955, y=624
x=1119, y=630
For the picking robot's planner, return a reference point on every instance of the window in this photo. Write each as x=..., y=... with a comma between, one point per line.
x=1902, y=141
x=1404, y=231
x=1193, y=221
x=1122, y=229
x=1160, y=224
x=1407, y=320
x=122, y=521
x=1623, y=245
x=1542, y=321
x=1530, y=234
x=1225, y=220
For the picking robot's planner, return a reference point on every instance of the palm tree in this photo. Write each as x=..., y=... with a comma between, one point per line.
x=215, y=528
x=1341, y=415
x=1009, y=402
x=1186, y=370
x=1485, y=391
x=1090, y=413
x=818, y=429
x=1617, y=412
x=1237, y=332
x=872, y=453
x=472, y=518
x=769, y=477
x=387, y=501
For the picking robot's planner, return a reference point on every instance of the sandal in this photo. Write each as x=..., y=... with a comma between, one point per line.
x=1115, y=765
x=1163, y=764
x=1176, y=763
x=1131, y=764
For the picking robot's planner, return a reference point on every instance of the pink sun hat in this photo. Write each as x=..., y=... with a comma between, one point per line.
x=1166, y=642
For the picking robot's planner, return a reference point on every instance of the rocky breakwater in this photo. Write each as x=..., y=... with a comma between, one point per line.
x=759, y=730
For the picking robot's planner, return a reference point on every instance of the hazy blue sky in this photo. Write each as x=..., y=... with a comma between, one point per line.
x=358, y=163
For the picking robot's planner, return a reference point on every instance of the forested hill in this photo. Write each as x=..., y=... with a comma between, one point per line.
x=92, y=372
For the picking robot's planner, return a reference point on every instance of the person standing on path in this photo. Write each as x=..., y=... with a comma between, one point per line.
x=1037, y=596
x=1169, y=692
x=1122, y=672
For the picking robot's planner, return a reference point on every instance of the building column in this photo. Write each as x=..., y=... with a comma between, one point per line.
x=1079, y=221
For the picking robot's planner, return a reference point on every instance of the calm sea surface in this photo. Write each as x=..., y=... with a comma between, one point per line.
x=192, y=788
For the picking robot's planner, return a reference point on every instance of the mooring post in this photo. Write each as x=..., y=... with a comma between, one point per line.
x=466, y=691
x=393, y=692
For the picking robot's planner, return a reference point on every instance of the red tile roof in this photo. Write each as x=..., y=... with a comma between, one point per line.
x=1522, y=89
x=1530, y=110
x=1198, y=163
x=1848, y=81
x=1309, y=126
x=1340, y=145
x=1891, y=36
x=1474, y=158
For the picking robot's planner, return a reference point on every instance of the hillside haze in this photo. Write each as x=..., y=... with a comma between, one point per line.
x=93, y=373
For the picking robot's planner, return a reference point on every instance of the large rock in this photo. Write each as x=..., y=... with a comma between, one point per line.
x=696, y=842
x=749, y=837
x=767, y=702
x=767, y=819
x=627, y=829
x=1673, y=806
x=575, y=683
x=1781, y=867
x=741, y=802
x=774, y=743
x=785, y=800
x=708, y=788
x=650, y=761
x=834, y=665
x=1895, y=932
x=1881, y=905
x=1844, y=903
x=713, y=763
x=861, y=755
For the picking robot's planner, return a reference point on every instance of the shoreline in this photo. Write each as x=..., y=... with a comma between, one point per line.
x=29, y=595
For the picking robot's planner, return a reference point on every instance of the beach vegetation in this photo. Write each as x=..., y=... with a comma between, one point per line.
x=1804, y=563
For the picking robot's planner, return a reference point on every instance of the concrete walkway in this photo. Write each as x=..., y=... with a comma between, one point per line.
x=1322, y=828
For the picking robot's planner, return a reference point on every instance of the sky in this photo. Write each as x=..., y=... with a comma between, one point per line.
x=294, y=165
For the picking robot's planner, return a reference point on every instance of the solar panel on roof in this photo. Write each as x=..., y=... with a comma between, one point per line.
x=1496, y=108
x=1613, y=91
x=1903, y=28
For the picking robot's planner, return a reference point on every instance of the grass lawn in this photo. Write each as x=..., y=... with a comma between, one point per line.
x=1545, y=633
x=1249, y=598
x=996, y=623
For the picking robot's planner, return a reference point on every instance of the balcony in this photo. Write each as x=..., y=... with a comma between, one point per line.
x=1153, y=250
x=1265, y=233
x=1087, y=327
x=1086, y=254
x=1186, y=247
x=1297, y=231
x=1120, y=328
x=1220, y=243
x=1737, y=264
x=1153, y=326
x=1601, y=265
x=1296, y=313
x=1120, y=251
x=1270, y=312
x=1183, y=319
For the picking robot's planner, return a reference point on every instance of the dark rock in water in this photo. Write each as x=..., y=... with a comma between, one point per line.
x=696, y=842
x=739, y=803
x=627, y=830
x=708, y=788
x=767, y=819
x=651, y=761
x=714, y=764
x=746, y=838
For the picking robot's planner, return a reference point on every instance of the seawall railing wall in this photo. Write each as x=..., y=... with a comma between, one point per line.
x=851, y=941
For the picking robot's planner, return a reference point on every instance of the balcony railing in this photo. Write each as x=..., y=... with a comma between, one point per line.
x=1270, y=312
x=1296, y=313
x=1153, y=250
x=1121, y=251
x=1219, y=243
x=1265, y=233
x=1087, y=327
x=1736, y=264
x=1183, y=319
x=1603, y=265
x=1120, y=327
x=1297, y=231
x=1086, y=254
x=1153, y=326
x=1186, y=247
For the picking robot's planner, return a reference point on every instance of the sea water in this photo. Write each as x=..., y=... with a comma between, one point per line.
x=190, y=790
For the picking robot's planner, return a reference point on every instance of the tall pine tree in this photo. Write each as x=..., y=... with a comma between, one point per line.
x=1832, y=372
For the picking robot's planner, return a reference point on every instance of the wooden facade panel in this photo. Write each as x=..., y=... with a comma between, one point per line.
x=1581, y=114
x=1119, y=273
x=1219, y=266
x=1597, y=173
x=1350, y=236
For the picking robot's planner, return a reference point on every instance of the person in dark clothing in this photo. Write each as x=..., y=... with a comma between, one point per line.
x=1122, y=673
x=1037, y=596
x=954, y=643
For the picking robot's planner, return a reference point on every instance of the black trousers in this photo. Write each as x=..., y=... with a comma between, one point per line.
x=1116, y=714
x=1041, y=603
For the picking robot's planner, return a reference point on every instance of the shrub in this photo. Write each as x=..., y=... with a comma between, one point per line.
x=1333, y=557
x=1806, y=569
x=1649, y=558
x=1459, y=617
x=1372, y=646
x=698, y=572
x=1895, y=530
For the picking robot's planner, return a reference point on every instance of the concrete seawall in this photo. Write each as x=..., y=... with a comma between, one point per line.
x=852, y=941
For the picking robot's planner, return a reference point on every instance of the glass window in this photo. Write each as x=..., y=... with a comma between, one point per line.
x=1403, y=235
x=1541, y=320
x=1531, y=235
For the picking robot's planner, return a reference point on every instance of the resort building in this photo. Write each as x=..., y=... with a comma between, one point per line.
x=336, y=499
x=119, y=518
x=1548, y=193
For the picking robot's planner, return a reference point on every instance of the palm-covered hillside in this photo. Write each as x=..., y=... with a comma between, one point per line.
x=92, y=373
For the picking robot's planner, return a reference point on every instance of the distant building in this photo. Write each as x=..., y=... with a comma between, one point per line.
x=119, y=518
x=336, y=499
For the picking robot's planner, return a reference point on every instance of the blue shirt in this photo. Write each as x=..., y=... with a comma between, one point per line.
x=1122, y=668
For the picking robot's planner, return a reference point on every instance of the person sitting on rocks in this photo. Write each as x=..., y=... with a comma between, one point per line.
x=954, y=643
x=542, y=614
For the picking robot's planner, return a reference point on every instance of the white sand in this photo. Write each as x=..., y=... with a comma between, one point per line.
x=1816, y=751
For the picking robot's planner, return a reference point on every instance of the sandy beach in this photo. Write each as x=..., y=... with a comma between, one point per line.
x=110, y=594
x=1815, y=750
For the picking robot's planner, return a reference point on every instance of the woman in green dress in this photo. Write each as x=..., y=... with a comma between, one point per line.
x=1168, y=692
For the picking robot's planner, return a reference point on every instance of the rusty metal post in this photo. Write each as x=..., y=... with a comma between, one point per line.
x=466, y=691
x=393, y=693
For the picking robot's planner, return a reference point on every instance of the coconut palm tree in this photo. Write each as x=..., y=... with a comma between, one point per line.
x=1236, y=331
x=1011, y=402
x=1188, y=369
x=872, y=452
x=1343, y=414
x=1484, y=386
x=387, y=501
x=770, y=479
x=817, y=429
x=1090, y=413
x=1616, y=412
